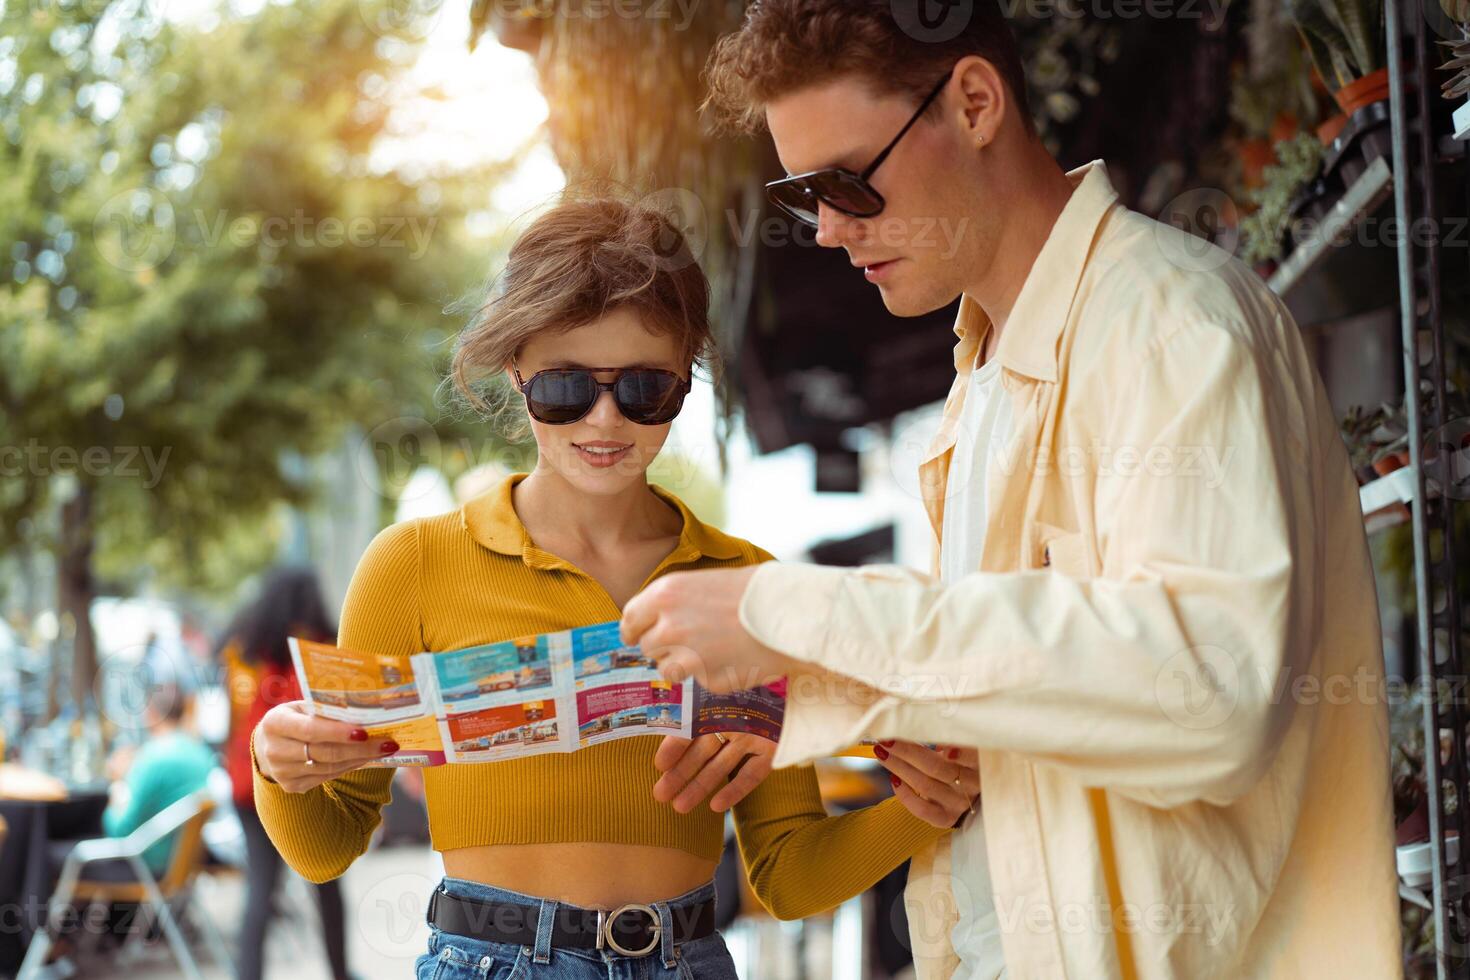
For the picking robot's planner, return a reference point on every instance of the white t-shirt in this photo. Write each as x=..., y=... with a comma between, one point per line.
x=984, y=427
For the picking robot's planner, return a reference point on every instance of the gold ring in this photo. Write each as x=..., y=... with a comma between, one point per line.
x=306, y=747
x=722, y=738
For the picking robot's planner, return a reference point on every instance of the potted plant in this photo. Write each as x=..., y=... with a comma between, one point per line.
x=1273, y=91
x=1457, y=86
x=1279, y=199
x=1346, y=40
x=1357, y=432
x=1377, y=440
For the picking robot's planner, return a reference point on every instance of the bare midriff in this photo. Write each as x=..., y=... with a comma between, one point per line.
x=589, y=874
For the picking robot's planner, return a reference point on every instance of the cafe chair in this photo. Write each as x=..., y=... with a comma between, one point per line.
x=169, y=897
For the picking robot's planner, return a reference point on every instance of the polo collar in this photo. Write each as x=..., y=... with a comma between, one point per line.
x=1029, y=347
x=491, y=520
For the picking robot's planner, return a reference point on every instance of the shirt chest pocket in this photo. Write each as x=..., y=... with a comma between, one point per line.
x=1063, y=550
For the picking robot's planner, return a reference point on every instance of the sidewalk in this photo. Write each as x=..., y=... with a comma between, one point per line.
x=385, y=893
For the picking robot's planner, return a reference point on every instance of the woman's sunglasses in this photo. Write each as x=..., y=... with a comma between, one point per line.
x=561, y=396
x=837, y=187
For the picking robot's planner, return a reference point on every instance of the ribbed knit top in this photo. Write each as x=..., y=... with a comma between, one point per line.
x=474, y=576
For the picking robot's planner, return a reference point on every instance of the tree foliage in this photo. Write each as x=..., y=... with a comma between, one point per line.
x=203, y=276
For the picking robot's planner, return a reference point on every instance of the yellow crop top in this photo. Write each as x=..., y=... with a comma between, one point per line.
x=474, y=576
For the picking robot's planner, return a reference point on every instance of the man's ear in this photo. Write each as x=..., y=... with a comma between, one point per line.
x=982, y=97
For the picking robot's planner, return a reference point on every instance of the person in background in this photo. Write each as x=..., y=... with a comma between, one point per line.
x=259, y=675
x=170, y=765
x=146, y=780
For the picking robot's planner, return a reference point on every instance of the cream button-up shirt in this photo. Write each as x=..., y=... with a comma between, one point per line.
x=1170, y=656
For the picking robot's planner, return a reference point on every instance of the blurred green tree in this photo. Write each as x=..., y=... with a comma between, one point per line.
x=204, y=278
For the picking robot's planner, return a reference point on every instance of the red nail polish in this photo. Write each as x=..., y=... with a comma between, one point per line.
x=887, y=742
x=358, y=734
x=388, y=747
x=895, y=781
x=954, y=753
x=880, y=751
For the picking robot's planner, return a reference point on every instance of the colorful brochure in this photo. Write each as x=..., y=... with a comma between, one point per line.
x=557, y=692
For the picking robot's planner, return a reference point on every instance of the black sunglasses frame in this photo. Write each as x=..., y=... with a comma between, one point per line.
x=682, y=387
x=803, y=182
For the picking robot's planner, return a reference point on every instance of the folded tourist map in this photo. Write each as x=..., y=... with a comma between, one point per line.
x=556, y=692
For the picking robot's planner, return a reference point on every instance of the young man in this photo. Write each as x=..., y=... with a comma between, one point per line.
x=1153, y=609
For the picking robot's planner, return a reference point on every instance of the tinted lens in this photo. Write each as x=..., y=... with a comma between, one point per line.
x=846, y=192
x=796, y=199
x=559, y=397
x=649, y=397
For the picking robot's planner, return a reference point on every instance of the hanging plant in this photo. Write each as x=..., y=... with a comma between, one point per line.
x=1264, y=230
x=1271, y=94
x=1458, y=84
x=1064, y=53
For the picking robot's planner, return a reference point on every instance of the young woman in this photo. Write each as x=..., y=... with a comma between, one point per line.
x=564, y=865
x=259, y=675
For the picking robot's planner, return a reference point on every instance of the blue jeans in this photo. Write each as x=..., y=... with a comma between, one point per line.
x=453, y=957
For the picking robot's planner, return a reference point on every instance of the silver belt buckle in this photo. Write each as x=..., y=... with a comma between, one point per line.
x=605, y=922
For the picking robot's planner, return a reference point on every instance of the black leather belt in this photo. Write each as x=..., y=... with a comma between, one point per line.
x=630, y=930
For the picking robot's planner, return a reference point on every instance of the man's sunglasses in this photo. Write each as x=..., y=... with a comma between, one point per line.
x=561, y=396
x=838, y=187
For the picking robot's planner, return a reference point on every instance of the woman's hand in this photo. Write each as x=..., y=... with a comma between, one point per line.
x=288, y=736
x=938, y=785
x=693, y=769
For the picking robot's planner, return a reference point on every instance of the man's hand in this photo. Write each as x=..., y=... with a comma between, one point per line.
x=692, y=770
x=939, y=786
x=689, y=624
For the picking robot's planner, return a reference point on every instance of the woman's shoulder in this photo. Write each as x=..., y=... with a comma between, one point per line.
x=395, y=546
x=390, y=564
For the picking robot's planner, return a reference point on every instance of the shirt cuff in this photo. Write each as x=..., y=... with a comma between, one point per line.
x=789, y=608
x=822, y=719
